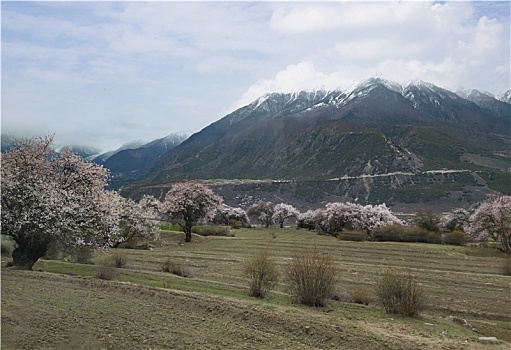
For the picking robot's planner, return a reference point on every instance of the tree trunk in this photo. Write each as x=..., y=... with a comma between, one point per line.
x=282, y=225
x=26, y=254
x=188, y=234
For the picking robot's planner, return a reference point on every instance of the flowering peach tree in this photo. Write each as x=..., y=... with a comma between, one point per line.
x=336, y=217
x=263, y=211
x=492, y=219
x=189, y=203
x=282, y=212
x=50, y=197
x=227, y=214
x=309, y=219
x=137, y=220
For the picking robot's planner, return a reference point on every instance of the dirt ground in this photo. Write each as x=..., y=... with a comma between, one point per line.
x=51, y=311
x=71, y=309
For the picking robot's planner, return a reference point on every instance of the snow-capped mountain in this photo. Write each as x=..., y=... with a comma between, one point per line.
x=506, y=97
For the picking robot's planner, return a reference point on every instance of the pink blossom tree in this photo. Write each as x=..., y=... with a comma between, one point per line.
x=492, y=219
x=227, y=214
x=374, y=217
x=308, y=219
x=51, y=198
x=188, y=203
x=282, y=212
x=337, y=217
x=263, y=211
x=137, y=220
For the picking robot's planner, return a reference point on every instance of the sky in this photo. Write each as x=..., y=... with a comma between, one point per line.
x=100, y=73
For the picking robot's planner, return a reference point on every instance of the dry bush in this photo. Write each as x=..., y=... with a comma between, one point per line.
x=361, y=295
x=506, y=266
x=167, y=284
x=7, y=247
x=117, y=260
x=455, y=238
x=106, y=272
x=54, y=252
x=83, y=254
x=220, y=231
x=262, y=274
x=176, y=268
x=354, y=236
x=311, y=277
x=400, y=293
x=399, y=233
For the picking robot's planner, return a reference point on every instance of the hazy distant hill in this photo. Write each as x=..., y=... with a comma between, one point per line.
x=86, y=152
x=128, y=164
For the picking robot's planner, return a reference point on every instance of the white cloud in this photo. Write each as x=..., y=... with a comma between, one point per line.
x=177, y=65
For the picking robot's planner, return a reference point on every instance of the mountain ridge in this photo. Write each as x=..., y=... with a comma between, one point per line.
x=379, y=127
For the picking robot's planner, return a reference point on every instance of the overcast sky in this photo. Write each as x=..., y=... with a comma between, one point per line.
x=105, y=73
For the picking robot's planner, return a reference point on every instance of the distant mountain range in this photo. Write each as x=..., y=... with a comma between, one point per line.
x=125, y=163
x=128, y=164
x=380, y=141
x=406, y=145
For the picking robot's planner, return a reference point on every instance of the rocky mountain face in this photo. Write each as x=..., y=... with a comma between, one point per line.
x=380, y=142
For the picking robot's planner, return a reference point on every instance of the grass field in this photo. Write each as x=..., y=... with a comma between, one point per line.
x=61, y=305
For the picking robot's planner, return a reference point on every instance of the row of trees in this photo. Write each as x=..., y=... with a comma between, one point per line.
x=50, y=197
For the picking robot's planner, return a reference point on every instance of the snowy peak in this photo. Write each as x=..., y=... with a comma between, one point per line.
x=506, y=97
x=372, y=83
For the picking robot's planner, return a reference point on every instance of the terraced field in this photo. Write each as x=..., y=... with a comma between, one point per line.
x=63, y=306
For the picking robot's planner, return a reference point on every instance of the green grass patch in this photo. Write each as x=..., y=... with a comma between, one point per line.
x=176, y=228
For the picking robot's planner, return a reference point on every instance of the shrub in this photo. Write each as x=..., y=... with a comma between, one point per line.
x=399, y=233
x=506, y=266
x=176, y=268
x=360, y=295
x=54, y=252
x=106, y=272
x=212, y=231
x=400, y=294
x=311, y=277
x=428, y=220
x=434, y=237
x=262, y=274
x=235, y=224
x=83, y=254
x=117, y=260
x=7, y=248
x=354, y=236
x=455, y=238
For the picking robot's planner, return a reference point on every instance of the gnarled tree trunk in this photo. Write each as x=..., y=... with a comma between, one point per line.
x=26, y=254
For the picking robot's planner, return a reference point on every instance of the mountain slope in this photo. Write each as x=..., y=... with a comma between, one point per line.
x=335, y=135
x=129, y=164
x=377, y=128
